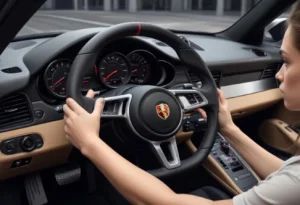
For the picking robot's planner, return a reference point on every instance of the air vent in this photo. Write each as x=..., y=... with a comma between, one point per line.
x=12, y=70
x=270, y=71
x=14, y=110
x=192, y=76
x=217, y=77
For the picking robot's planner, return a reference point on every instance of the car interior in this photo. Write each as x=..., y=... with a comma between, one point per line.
x=123, y=64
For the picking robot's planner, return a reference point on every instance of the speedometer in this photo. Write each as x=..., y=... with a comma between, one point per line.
x=56, y=76
x=114, y=70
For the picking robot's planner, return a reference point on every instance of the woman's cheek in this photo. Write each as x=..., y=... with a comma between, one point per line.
x=291, y=88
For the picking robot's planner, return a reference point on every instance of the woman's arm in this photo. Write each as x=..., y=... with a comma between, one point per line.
x=136, y=185
x=260, y=160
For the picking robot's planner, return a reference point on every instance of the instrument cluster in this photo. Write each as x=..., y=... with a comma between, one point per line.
x=112, y=70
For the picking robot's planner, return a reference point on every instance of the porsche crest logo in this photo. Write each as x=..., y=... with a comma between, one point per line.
x=163, y=111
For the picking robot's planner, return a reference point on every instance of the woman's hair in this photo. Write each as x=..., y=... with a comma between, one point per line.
x=294, y=23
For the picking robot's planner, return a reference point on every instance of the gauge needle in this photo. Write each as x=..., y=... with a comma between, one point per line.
x=57, y=82
x=109, y=75
x=135, y=70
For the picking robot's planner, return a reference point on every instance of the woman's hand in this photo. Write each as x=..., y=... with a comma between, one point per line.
x=82, y=128
x=225, y=119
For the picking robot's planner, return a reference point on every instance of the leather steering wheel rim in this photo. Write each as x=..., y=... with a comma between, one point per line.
x=188, y=56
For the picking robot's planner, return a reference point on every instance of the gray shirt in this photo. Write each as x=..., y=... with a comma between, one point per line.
x=281, y=187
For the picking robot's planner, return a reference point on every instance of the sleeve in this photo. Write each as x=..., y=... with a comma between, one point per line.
x=280, y=189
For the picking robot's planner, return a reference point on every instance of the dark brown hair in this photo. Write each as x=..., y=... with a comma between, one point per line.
x=294, y=23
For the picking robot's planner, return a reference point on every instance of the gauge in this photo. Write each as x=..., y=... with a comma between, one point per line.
x=114, y=70
x=56, y=75
x=140, y=68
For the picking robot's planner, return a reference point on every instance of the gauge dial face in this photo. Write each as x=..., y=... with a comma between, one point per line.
x=140, y=73
x=56, y=76
x=114, y=70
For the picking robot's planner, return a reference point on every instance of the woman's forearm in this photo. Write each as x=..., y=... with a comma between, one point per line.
x=260, y=160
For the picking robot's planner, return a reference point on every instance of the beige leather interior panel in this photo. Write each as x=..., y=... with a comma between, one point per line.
x=248, y=104
x=55, y=151
x=275, y=134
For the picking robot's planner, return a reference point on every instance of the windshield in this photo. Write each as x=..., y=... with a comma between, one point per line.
x=184, y=15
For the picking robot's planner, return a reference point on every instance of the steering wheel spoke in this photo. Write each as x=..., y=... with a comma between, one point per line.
x=115, y=107
x=169, y=157
x=190, y=99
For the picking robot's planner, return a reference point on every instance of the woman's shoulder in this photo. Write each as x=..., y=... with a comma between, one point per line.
x=291, y=167
x=281, y=187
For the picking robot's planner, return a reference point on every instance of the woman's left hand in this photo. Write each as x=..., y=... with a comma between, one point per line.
x=82, y=128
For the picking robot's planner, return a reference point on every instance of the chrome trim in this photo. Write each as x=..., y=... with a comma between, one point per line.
x=186, y=106
x=118, y=107
x=172, y=147
x=231, y=91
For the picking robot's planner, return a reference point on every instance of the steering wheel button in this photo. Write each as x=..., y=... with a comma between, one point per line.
x=198, y=97
x=191, y=98
x=59, y=109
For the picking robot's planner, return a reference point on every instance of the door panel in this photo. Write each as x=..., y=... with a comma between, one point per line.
x=285, y=115
x=276, y=133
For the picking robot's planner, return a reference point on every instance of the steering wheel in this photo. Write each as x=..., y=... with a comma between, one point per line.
x=152, y=113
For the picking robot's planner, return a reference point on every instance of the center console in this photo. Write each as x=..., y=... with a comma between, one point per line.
x=223, y=163
x=232, y=164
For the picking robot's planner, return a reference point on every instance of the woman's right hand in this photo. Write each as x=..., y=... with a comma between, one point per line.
x=225, y=119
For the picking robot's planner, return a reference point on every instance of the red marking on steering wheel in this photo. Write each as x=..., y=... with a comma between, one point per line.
x=139, y=29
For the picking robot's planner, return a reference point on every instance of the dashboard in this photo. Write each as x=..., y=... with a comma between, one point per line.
x=39, y=67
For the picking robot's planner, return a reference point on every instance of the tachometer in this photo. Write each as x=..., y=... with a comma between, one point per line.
x=115, y=70
x=140, y=68
x=56, y=75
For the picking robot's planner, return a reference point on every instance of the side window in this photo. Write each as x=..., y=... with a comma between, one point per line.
x=274, y=32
